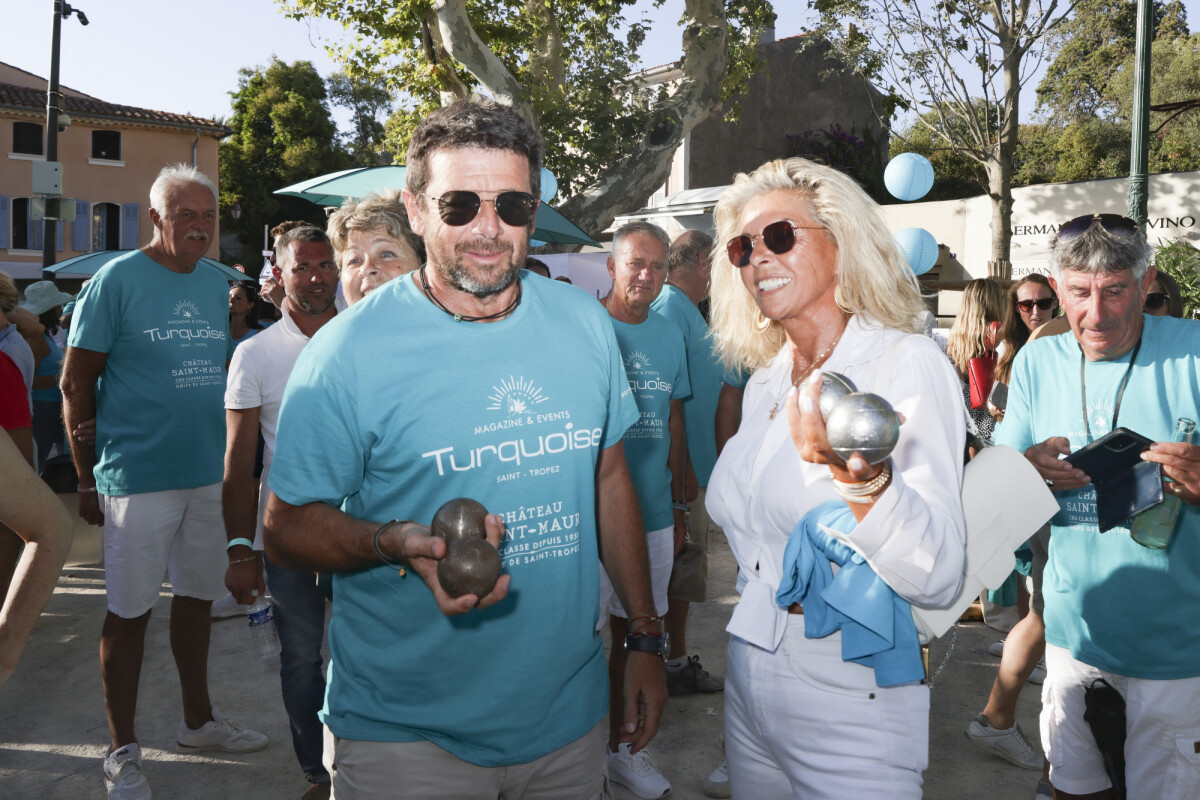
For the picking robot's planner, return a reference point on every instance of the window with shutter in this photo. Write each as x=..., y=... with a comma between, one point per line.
x=81, y=227
x=129, y=226
x=106, y=145
x=27, y=138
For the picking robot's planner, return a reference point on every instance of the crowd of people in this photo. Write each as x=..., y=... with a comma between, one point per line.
x=688, y=401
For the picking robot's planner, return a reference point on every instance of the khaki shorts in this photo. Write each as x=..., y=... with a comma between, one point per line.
x=424, y=771
x=180, y=531
x=689, y=576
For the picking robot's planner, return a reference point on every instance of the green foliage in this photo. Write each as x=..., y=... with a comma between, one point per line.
x=1174, y=77
x=367, y=97
x=1091, y=48
x=1181, y=261
x=857, y=156
x=571, y=58
x=282, y=133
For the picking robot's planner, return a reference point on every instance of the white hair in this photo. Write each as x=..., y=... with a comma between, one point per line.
x=174, y=175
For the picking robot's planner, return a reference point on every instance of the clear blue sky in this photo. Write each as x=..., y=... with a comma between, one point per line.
x=184, y=57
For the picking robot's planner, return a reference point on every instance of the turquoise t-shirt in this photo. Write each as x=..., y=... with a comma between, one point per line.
x=395, y=408
x=51, y=364
x=1115, y=604
x=160, y=401
x=656, y=363
x=704, y=373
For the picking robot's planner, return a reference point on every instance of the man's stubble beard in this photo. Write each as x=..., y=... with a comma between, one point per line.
x=458, y=275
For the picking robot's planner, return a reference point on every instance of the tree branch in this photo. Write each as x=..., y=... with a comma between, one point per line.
x=464, y=45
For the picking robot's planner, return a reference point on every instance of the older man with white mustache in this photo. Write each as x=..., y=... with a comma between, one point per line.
x=155, y=325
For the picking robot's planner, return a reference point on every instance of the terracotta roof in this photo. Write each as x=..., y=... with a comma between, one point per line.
x=23, y=98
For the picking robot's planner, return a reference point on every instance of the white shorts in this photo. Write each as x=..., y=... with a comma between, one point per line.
x=180, y=531
x=1162, y=739
x=661, y=547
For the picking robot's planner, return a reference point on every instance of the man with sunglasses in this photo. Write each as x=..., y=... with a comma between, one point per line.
x=430, y=389
x=1114, y=609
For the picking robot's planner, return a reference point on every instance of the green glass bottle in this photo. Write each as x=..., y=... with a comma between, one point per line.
x=1154, y=527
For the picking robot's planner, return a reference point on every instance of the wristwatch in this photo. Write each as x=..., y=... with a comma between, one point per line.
x=649, y=643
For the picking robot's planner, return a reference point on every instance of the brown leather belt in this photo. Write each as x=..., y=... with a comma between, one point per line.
x=795, y=608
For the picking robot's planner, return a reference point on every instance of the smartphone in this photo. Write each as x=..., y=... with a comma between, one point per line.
x=998, y=397
x=1125, y=484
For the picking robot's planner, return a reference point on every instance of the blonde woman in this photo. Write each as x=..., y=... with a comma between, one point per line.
x=984, y=302
x=806, y=278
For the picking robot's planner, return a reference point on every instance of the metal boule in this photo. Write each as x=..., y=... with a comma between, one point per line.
x=834, y=386
x=460, y=518
x=863, y=423
x=471, y=566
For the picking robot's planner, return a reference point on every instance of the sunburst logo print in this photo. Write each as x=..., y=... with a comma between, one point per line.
x=186, y=309
x=515, y=396
x=636, y=361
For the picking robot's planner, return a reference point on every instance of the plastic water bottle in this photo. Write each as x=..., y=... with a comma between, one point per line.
x=1154, y=527
x=262, y=628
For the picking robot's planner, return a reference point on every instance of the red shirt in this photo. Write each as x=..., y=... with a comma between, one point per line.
x=14, y=397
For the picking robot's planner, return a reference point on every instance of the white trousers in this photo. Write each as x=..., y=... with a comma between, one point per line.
x=803, y=723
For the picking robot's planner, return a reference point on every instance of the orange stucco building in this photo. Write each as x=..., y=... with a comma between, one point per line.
x=110, y=154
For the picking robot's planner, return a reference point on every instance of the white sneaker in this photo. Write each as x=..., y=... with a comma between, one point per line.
x=219, y=734
x=1039, y=673
x=717, y=782
x=123, y=776
x=1009, y=743
x=995, y=648
x=228, y=607
x=637, y=772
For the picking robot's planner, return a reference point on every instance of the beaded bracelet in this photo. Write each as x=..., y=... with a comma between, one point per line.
x=865, y=491
x=382, y=556
x=678, y=506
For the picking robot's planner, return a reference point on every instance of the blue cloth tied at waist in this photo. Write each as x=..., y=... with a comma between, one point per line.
x=876, y=623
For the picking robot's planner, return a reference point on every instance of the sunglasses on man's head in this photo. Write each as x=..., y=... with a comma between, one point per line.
x=1114, y=224
x=458, y=208
x=1156, y=300
x=779, y=237
x=1045, y=304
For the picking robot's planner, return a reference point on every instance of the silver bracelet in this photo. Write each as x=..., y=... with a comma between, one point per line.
x=379, y=550
x=864, y=491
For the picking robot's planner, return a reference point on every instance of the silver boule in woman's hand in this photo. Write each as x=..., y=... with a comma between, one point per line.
x=862, y=423
x=834, y=386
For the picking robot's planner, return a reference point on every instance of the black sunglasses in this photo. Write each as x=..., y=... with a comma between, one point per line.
x=1115, y=224
x=1156, y=300
x=1045, y=304
x=779, y=237
x=458, y=208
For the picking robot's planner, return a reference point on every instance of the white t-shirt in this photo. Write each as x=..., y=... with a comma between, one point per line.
x=258, y=374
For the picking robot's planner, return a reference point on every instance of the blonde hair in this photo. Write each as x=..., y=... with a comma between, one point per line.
x=874, y=278
x=375, y=212
x=984, y=302
x=8, y=293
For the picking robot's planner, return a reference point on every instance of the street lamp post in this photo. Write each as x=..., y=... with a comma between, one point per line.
x=62, y=9
x=1139, y=155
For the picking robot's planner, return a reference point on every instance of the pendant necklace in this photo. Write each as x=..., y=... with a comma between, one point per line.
x=464, y=317
x=816, y=362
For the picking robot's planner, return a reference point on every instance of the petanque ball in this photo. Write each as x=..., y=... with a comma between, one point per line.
x=863, y=423
x=834, y=386
x=471, y=566
x=460, y=518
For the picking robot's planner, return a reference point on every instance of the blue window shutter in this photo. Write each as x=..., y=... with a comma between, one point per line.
x=81, y=228
x=129, y=226
x=33, y=231
x=59, y=227
x=4, y=229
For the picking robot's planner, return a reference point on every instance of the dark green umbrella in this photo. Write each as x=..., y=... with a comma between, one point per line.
x=90, y=264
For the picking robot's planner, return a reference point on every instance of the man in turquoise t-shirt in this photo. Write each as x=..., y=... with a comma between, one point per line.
x=687, y=287
x=147, y=352
x=656, y=363
x=427, y=390
x=1114, y=609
